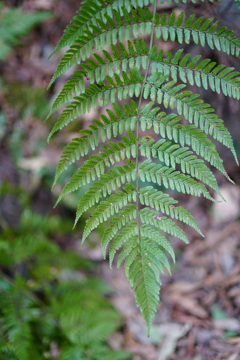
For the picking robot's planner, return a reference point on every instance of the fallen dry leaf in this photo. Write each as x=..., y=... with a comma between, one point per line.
x=190, y=305
x=224, y=347
x=227, y=324
x=184, y=287
x=233, y=340
x=235, y=291
x=234, y=356
x=170, y=333
x=229, y=210
x=184, y=318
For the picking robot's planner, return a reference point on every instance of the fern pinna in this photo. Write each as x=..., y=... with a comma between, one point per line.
x=140, y=76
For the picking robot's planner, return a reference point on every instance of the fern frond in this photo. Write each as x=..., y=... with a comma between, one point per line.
x=124, y=217
x=120, y=59
x=200, y=31
x=19, y=332
x=150, y=217
x=166, y=151
x=103, y=40
x=108, y=208
x=95, y=166
x=105, y=34
x=156, y=237
x=88, y=14
x=15, y=23
x=202, y=73
x=164, y=125
x=163, y=202
x=140, y=21
x=193, y=109
x=169, y=126
x=123, y=236
x=115, y=202
x=74, y=86
x=116, y=123
x=99, y=352
x=106, y=185
x=148, y=196
x=142, y=266
x=173, y=154
x=144, y=259
x=85, y=15
x=170, y=178
x=100, y=94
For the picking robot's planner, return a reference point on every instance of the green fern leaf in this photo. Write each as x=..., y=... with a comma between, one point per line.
x=162, y=202
x=141, y=273
x=164, y=125
x=169, y=178
x=124, y=217
x=173, y=154
x=19, y=332
x=169, y=126
x=106, y=185
x=156, y=237
x=100, y=94
x=95, y=166
x=151, y=217
x=93, y=10
x=110, y=32
x=122, y=237
x=97, y=70
x=193, y=109
x=116, y=123
x=104, y=35
x=104, y=42
x=204, y=73
x=108, y=208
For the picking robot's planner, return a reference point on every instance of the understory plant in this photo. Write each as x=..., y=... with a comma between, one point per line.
x=15, y=23
x=122, y=67
x=50, y=305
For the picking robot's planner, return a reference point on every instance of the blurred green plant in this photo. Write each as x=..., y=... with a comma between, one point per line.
x=15, y=23
x=2, y=124
x=28, y=100
x=237, y=2
x=30, y=104
x=50, y=309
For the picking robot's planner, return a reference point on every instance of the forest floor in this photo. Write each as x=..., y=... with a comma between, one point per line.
x=198, y=317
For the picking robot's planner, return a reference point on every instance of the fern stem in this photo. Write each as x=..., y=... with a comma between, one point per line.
x=138, y=122
x=137, y=158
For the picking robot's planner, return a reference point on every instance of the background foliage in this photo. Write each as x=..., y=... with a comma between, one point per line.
x=49, y=307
